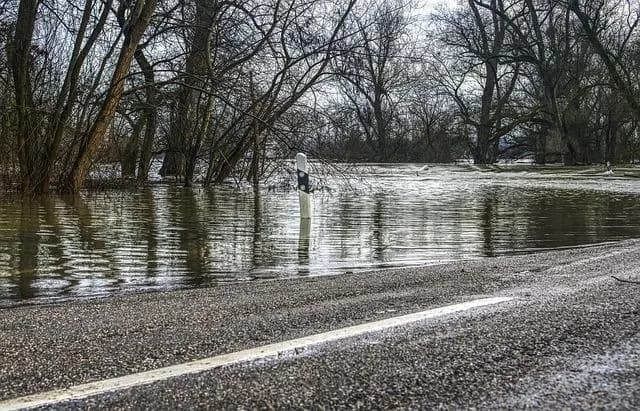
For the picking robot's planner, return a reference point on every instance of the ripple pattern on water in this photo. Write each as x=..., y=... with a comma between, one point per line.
x=169, y=237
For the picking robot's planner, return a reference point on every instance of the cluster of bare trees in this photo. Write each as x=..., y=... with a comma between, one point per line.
x=48, y=87
x=549, y=80
x=219, y=88
x=553, y=79
x=207, y=82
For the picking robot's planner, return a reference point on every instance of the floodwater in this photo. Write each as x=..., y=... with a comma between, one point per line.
x=168, y=237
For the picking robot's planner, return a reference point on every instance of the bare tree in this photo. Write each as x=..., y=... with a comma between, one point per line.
x=137, y=21
x=41, y=130
x=376, y=70
x=301, y=57
x=618, y=20
x=478, y=73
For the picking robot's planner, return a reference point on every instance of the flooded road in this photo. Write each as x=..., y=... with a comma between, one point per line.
x=166, y=237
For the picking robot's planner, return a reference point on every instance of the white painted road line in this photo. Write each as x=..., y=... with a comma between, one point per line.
x=271, y=350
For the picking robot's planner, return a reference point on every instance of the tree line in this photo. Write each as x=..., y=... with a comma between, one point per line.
x=220, y=89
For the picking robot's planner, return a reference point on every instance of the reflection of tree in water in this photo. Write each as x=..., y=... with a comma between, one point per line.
x=623, y=217
x=51, y=220
x=86, y=228
x=145, y=215
x=256, y=243
x=347, y=227
x=559, y=218
x=261, y=244
x=192, y=236
x=244, y=237
x=29, y=244
x=545, y=218
x=38, y=226
x=488, y=215
x=378, y=245
x=100, y=260
x=197, y=239
x=55, y=247
x=516, y=219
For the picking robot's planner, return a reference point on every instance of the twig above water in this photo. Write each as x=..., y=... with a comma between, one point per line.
x=625, y=281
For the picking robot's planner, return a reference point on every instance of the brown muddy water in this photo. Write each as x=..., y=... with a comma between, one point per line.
x=168, y=237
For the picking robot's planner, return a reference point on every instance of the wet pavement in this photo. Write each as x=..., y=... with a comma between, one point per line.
x=569, y=339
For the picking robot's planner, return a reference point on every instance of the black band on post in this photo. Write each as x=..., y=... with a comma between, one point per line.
x=303, y=181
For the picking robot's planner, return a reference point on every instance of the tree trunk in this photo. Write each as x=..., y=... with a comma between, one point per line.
x=134, y=31
x=484, y=143
x=227, y=163
x=186, y=137
x=150, y=113
x=540, y=155
x=254, y=170
x=482, y=153
x=172, y=164
x=19, y=52
x=485, y=150
x=380, y=125
x=67, y=97
x=612, y=136
x=130, y=155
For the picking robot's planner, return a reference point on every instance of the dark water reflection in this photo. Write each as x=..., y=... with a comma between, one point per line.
x=169, y=237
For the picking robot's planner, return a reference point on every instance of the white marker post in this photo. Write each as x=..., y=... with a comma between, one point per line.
x=303, y=186
x=304, y=239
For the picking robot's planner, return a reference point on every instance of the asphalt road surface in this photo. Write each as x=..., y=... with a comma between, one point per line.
x=567, y=337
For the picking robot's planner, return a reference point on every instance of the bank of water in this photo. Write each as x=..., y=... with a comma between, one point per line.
x=168, y=237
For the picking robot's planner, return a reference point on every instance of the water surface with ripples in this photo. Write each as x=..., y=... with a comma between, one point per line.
x=168, y=237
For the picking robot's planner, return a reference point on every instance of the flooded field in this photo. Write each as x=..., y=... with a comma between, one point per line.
x=167, y=237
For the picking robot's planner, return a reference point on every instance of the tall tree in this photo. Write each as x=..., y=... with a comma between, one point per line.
x=478, y=73
x=19, y=58
x=138, y=19
x=375, y=71
x=619, y=20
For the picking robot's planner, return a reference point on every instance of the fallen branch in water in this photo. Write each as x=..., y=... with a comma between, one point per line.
x=625, y=281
